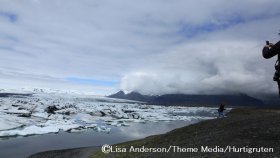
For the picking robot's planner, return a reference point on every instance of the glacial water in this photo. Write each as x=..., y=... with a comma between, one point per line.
x=19, y=147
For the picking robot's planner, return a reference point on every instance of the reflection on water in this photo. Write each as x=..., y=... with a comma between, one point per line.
x=25, y=146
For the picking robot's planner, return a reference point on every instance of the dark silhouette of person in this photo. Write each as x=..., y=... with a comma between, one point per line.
x=221, y=110
x=269, y=51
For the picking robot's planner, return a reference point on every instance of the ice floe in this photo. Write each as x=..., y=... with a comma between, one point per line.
x=42, y=113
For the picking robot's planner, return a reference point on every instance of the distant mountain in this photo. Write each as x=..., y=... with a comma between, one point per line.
x=272, y=100
x=185, y=99
x=132, y=96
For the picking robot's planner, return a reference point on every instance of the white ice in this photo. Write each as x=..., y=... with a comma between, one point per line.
x=75, y=112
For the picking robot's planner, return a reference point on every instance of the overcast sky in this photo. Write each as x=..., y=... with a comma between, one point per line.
x=153, y=47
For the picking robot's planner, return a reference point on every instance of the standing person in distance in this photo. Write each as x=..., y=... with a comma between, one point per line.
x=221, y=111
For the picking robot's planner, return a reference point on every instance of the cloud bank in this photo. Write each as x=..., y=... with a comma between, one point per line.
x=156, y=47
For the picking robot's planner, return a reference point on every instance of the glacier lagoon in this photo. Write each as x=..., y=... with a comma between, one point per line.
x=49, y=121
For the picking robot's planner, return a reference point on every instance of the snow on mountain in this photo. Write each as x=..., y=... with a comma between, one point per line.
x=53, y=111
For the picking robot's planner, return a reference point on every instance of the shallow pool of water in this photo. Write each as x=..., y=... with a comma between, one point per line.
x=19, y=147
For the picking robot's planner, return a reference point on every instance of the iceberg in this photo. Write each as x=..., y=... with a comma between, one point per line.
x=31, y=130
x=5, y=125
x=43, y=112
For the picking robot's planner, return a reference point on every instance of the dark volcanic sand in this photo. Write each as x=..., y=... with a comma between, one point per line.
x=254, y=127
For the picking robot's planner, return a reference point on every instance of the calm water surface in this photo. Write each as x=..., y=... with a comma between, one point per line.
x=20, y=147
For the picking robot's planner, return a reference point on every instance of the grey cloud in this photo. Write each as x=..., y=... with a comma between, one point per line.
x=206, y=67
x=140, y=44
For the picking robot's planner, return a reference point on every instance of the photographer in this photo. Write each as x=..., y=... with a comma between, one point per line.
x=269, y=51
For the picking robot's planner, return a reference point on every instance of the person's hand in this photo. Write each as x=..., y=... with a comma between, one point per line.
x=270, y=45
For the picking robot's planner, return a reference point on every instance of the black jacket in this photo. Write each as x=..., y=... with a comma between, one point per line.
x=221, y=108
x=268, y=53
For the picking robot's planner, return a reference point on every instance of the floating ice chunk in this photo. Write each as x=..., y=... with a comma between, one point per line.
x=56, y=117
x=134, y=115
x=6, y=125
x=118, y=123
x=61, y=125
x=103, y=129
x=30, y=130
x=91, y=125
x=118, y=114
x=41, y=115
x=115, y=123
x=15, y=111
x=67, y=111
x=98, y=113
x=86, y=118
x=69, y=127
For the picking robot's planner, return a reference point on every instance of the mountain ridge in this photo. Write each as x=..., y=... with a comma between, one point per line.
x=191, y=99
